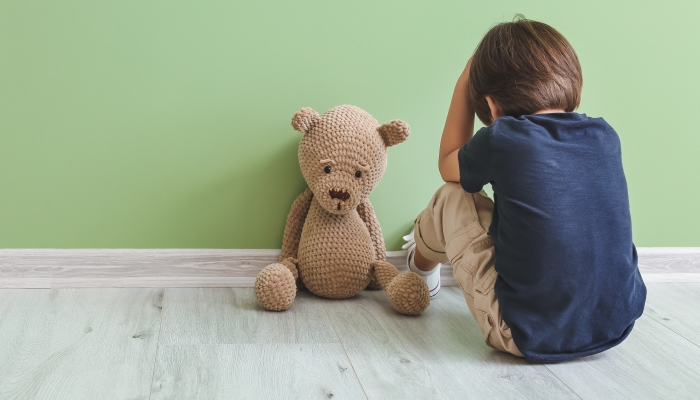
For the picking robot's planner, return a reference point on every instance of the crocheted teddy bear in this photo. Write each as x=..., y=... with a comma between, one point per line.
x=332, y=241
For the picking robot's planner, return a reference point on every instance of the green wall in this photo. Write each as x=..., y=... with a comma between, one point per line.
x=156, y=124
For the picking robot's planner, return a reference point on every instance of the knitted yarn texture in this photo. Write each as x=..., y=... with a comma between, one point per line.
x=332, y=241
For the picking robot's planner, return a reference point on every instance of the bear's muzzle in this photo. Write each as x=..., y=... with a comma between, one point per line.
x=339, y=194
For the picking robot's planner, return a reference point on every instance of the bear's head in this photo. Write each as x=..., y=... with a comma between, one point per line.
x=342, y=154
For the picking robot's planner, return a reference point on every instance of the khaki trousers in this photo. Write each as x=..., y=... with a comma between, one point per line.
x=453, y=228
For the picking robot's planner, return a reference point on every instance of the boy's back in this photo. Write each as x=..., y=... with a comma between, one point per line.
x=568, y=282
x=556, y=276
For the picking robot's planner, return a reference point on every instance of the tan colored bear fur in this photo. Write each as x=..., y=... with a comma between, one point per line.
x=332, y=242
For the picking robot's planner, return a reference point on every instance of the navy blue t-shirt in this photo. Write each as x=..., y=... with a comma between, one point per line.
x=568, y=283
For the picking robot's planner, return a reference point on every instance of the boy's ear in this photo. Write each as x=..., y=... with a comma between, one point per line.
x=394, y=132
x=304, y=119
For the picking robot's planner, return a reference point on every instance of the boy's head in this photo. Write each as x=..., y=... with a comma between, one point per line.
x=524, y=66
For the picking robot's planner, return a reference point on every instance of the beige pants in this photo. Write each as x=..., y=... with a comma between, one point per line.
x=453, y=228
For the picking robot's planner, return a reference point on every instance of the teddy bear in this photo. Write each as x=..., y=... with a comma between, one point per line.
x=332, y=241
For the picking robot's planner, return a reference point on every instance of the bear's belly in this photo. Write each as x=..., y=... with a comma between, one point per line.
x=335, y=252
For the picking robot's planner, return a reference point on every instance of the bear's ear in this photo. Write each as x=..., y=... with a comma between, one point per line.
x=304, y=119
x=394, y=132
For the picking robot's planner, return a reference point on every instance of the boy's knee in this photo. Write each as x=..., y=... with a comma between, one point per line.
x=447, y=193
x=448, y=188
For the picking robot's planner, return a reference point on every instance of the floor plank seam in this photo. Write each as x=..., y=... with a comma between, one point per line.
x=684, y=338
x=155, y=356
x=563, y=383
x=342, y=345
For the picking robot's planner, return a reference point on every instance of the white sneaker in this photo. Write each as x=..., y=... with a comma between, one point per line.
x=432, y=278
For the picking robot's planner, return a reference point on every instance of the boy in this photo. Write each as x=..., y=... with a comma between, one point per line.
x=556, y=275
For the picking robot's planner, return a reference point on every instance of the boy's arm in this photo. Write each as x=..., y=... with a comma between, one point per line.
x=459, y=128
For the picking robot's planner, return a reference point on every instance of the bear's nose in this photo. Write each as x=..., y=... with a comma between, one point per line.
x=339, y=194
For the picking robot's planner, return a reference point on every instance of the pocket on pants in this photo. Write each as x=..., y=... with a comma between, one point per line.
x=459, y=241
x=484, y=285
x=478, y=254
x=484, y=320
x=464, y=277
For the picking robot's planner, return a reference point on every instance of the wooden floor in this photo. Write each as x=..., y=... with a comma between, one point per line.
x=217, y=343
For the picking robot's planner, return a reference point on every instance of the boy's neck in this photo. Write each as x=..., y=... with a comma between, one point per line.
x=550, y=110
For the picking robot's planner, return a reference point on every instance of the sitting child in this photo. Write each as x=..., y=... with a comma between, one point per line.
x=550, y=271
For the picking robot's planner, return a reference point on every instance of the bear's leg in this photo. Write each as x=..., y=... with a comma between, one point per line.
x=275, y=285
x=407, y=291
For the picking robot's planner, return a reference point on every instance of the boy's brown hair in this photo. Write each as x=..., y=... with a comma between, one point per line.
x=525, y=66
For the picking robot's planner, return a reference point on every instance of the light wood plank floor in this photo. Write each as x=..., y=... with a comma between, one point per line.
x=217, y=343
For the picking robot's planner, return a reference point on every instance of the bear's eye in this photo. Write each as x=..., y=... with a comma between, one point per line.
x=327, y=169
x=358, y=174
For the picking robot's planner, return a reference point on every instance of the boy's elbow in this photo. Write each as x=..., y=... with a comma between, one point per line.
x=441, y=169
x=448, y=177
x=449, y=168
x=447, y=172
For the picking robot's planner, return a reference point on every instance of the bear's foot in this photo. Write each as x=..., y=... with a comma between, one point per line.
x=275, y=287
x=407, y=292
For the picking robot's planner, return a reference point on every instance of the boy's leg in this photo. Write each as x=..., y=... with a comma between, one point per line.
x=427, y=269
x=424, y=264
x=453, y=228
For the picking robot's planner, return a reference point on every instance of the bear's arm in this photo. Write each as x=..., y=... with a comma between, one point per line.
x=366, y=212
x=295, y=223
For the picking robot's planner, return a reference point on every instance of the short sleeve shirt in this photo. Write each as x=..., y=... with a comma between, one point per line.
x=568, y=283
